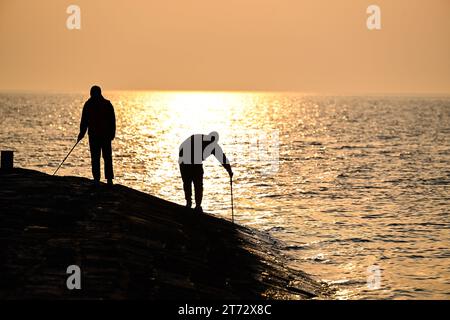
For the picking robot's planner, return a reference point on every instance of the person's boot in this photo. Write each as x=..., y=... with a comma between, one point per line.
x=110, y=182
x=199, y=209
x=188, y=204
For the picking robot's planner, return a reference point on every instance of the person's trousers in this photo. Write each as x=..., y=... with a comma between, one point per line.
x=192, y=174
x=101, y=146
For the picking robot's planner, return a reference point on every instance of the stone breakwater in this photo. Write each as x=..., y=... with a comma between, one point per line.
x=129, y=245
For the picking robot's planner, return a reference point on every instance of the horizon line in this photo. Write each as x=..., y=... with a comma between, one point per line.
x=257, y=91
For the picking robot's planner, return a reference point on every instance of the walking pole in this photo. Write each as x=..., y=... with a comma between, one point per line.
x=66, y=156
x=232, y=205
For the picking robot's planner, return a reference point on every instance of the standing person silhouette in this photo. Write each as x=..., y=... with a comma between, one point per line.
x=99, y=120
x=193, y=151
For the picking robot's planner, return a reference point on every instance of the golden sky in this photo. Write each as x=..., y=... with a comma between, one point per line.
x=276, y=45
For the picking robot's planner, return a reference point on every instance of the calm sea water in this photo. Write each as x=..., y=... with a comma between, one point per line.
x=357, y=188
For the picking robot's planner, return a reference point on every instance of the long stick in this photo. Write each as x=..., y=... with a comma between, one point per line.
x=66, y=157
x=232, y=204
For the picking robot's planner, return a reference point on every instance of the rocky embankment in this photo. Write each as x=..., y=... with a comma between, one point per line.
x=128, y=245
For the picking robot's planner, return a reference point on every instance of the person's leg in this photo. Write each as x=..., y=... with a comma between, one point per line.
x=107, y=158
x=186, y=175
x=198, y=186
x=95, y=148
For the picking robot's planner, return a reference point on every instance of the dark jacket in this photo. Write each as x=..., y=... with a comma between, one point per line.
x=98, y=118
x=195, y=149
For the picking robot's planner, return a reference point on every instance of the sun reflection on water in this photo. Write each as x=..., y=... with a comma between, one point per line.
x=164, y=120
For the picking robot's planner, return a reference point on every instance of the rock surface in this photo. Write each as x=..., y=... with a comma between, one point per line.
x=130, y=245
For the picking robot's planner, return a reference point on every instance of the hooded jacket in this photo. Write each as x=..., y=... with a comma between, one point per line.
x=98, y=119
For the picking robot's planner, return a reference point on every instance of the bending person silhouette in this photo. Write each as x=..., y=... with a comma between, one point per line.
x=193, y=151
x=99, y=120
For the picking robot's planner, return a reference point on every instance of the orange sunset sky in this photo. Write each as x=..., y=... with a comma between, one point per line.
x=275, y=45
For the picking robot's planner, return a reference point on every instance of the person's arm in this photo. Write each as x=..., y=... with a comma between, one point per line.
x=227, y=167
x=222, y=158
x=113, y=122
x=83, y=123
